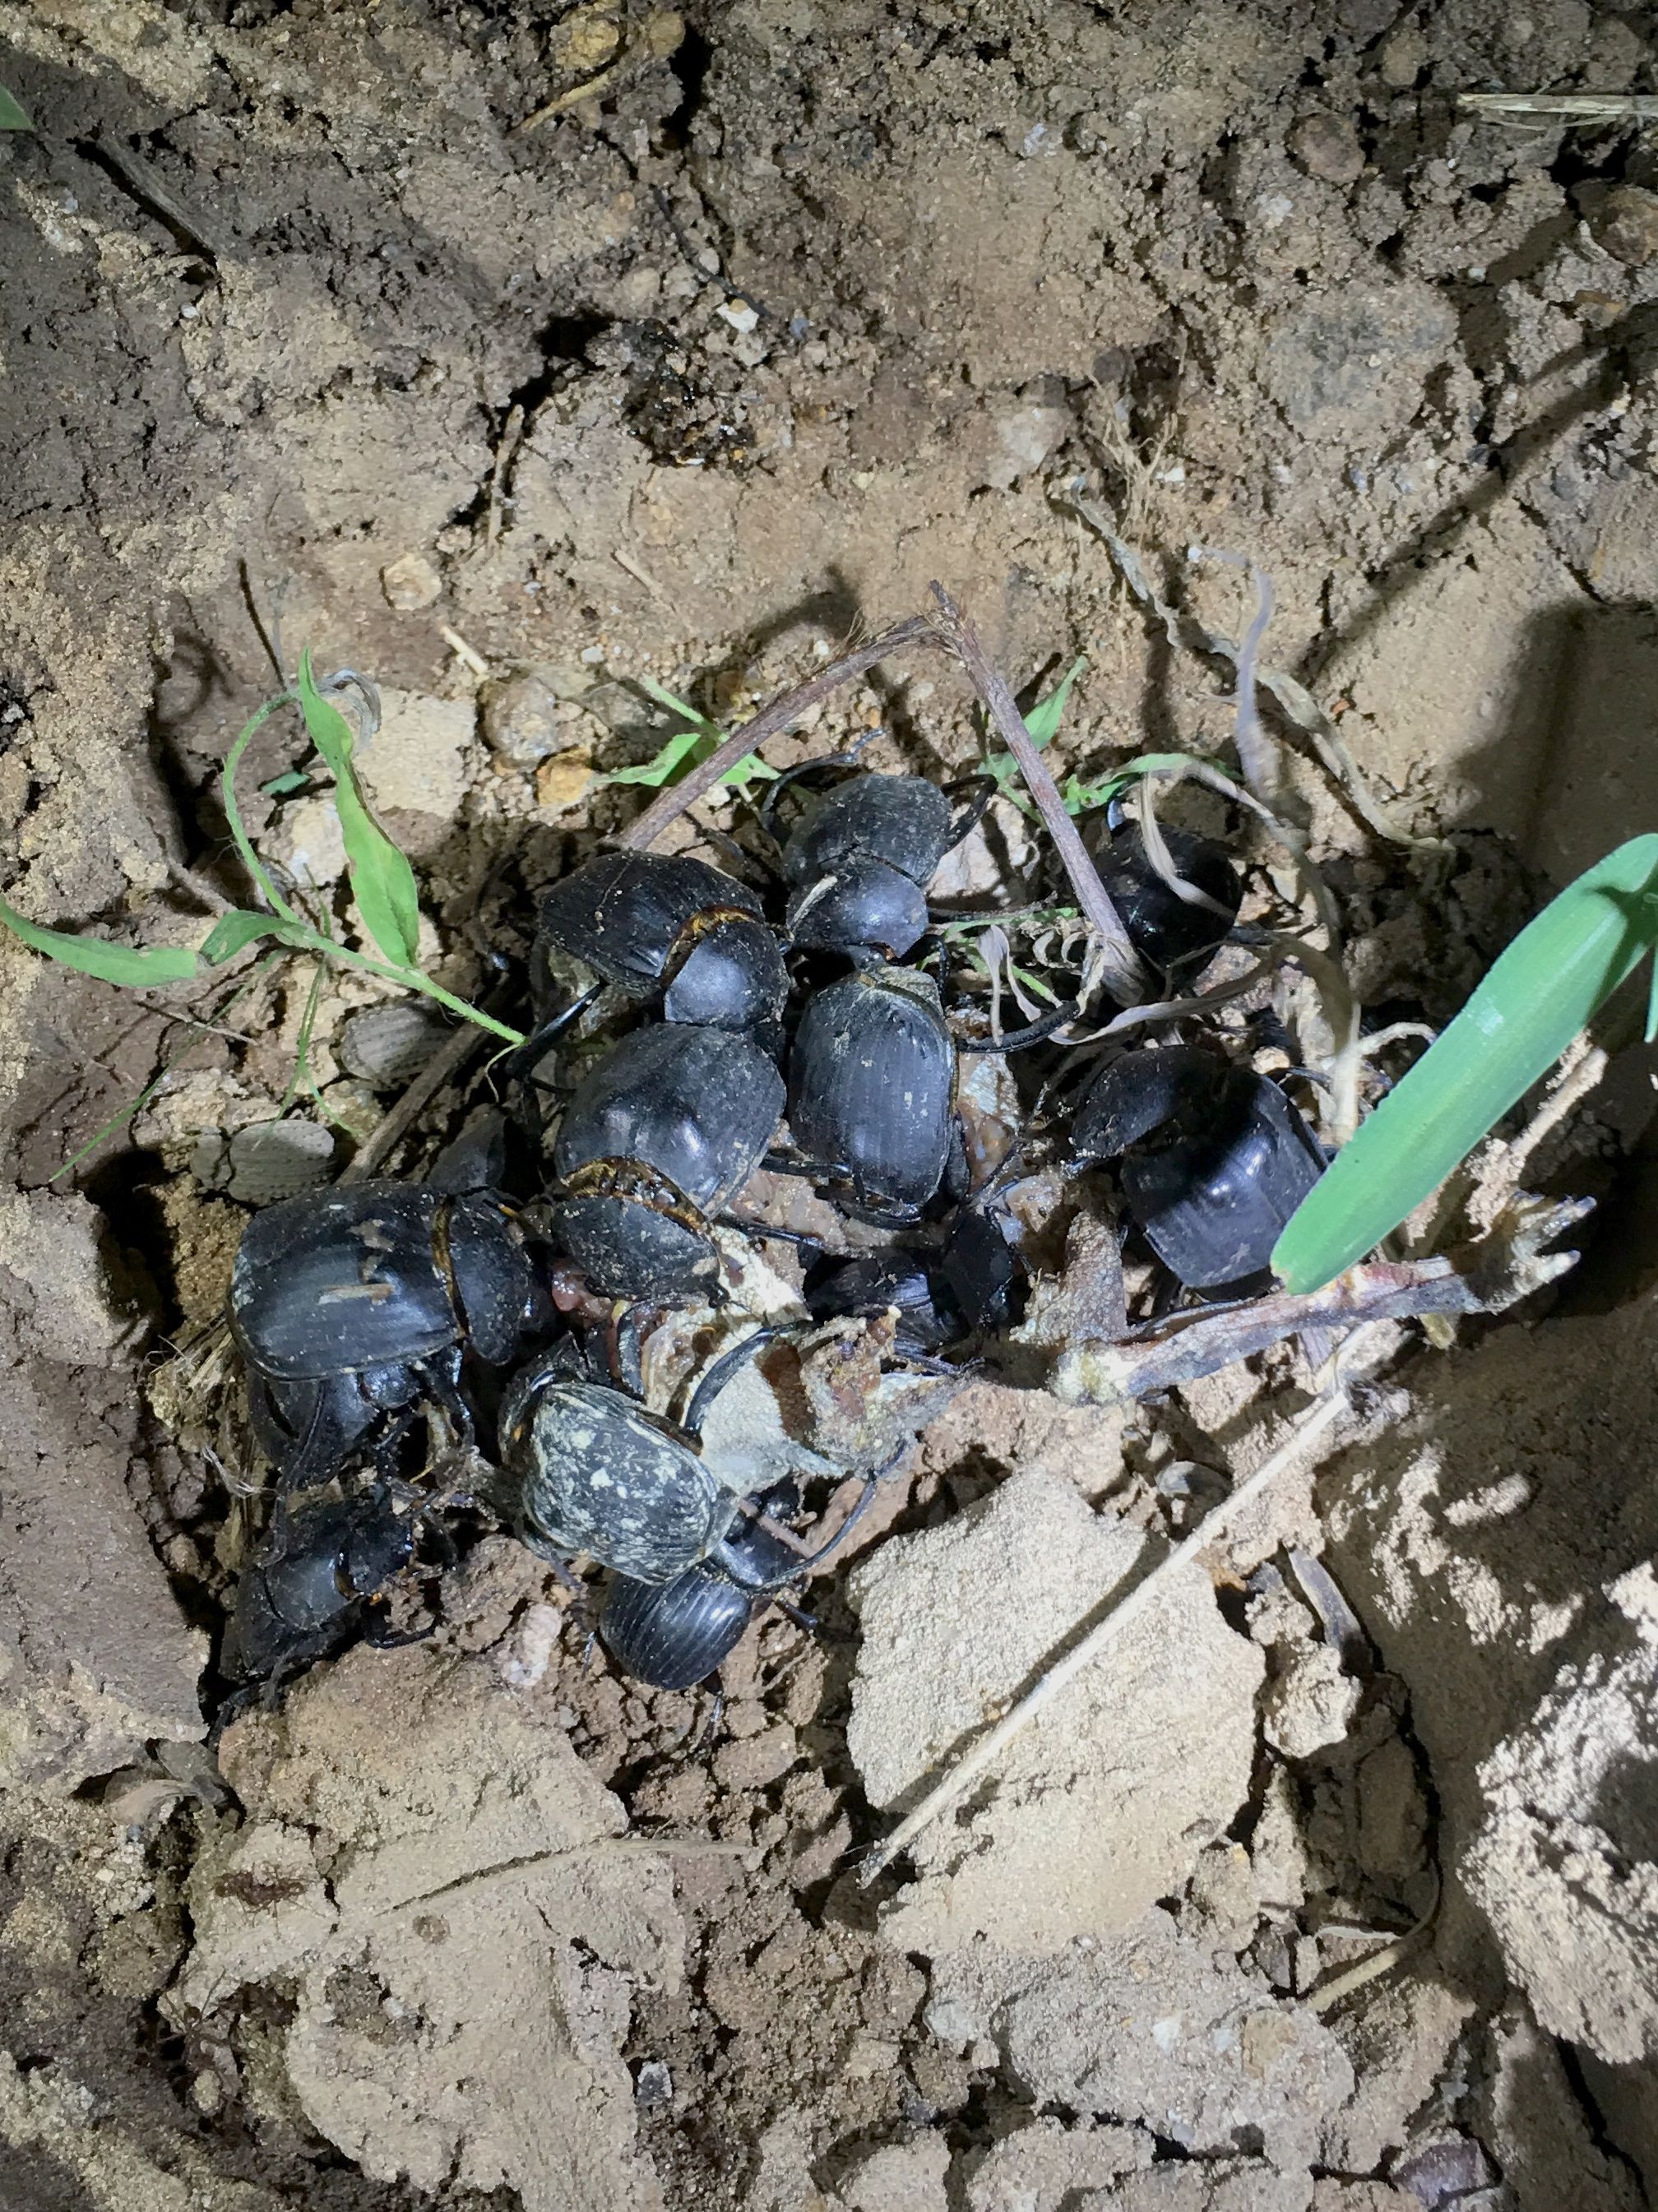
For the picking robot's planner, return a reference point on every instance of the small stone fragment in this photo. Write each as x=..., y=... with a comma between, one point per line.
x=521, y=721
x=410, y=584
x=906, y=2177
x=415, y=762
x=1309, y=1701
x=1627, y=225
x=1402, y=58
x=563, y=781
x=1327, y=146
x=586, y=38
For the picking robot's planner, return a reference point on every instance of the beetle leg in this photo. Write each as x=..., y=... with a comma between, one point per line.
x=732, y=1564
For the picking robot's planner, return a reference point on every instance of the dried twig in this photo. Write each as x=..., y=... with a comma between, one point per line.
x=443, y=1066
x=984, y=1754
x=1565, y=106
x=772, y=720
x=1120, y=965
x=1502, y=1268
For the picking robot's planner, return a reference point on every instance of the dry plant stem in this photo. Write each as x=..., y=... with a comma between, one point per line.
x=1486, y=1277
x=772, y=720
x=1119, y=968
x=1567, y=106
x=443, y=1066
x=985, y=1754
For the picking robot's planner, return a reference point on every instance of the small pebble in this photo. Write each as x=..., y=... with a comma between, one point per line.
x=411, y=584
x=1627, y=225
x=1327, y=146
x=652, y=2086
x=563, y=781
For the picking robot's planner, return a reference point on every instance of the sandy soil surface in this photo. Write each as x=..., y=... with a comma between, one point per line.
x=511, y=354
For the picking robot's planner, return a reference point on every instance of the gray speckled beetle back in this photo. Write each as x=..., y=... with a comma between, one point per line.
x=594, y=1473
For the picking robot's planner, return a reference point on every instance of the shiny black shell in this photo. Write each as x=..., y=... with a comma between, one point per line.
x=302, y=1593
x=694, y=1108
x=872, y=1086
x=1166, y=930
x=592, y=1472
x=673, y=1635
x=903, y=820
x=1215, y=1159
x=381, y=1275
x=729, y=974
x=624, y=913
x=863, y=902
x=859, y=861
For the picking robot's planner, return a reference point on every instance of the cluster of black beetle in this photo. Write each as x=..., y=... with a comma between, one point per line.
x=360, y=1310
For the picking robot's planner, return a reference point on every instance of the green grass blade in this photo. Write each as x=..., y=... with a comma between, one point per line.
x=119, y=1120
x=13, y=116
x=234, y=933
x=1044, y=719
x=135, y=967
x=687, y=747
x=1540, y=993
x=382, y=881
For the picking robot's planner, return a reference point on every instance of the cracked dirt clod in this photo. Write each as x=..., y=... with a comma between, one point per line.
x=1103, y=1803
x=456, y=1902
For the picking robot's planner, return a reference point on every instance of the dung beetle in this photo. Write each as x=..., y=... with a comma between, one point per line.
x=347, y=1303
x=971, y=1283
x=859, y=861
x=308, y=1590
x=1215, y=1159
x=656, y=1136
x=674, y=1635
x=871, y=1089
x=1167, y=931
x=590, y=1470
x=666, y=924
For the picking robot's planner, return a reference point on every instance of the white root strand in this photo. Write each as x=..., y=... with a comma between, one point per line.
x=983, y=1754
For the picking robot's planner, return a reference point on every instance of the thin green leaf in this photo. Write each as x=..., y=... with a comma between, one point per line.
x=116, y=1121
x=250, y=860
x=688, y=749
x=135, y=967
x=285, y=785
x=1044, y=719
x=13, y=116
x=234, y=933
x=680, y=754
x=1043, y=722
x=1540, y=993
x=382, y=881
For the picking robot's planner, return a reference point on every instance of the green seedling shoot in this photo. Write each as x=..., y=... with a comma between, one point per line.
x=688, y=749
x=13, y=116
x=382, y=887
x=1546, y=987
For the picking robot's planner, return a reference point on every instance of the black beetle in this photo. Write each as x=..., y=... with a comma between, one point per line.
x=871, y=1089
x=673, y=1635
x=1167, y=931
x=307, y=1590
x=659, y=923
x=859, y=860
x=590, y=1470
x=971, y=1283
x=656, y=1136
x=347, y=1303
x=1215, y=1159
